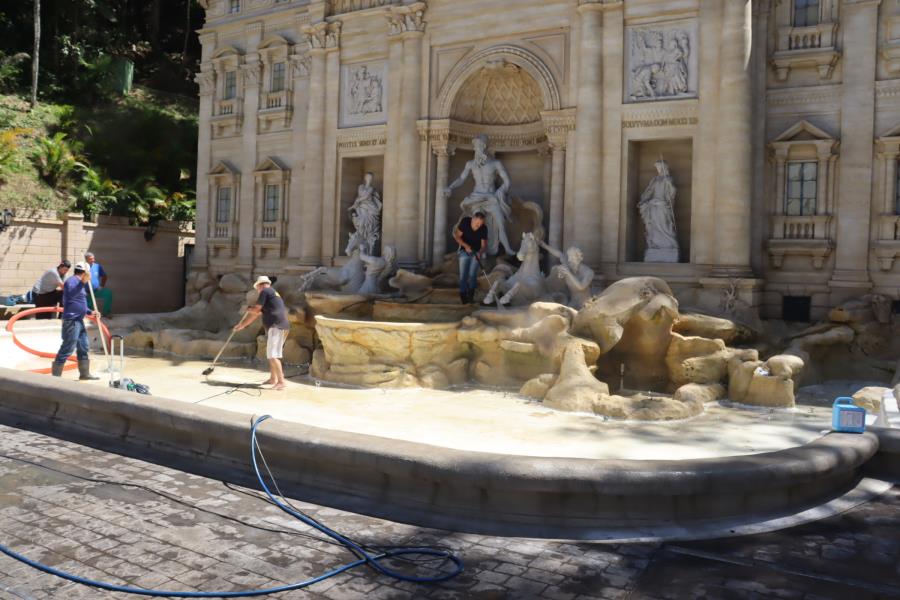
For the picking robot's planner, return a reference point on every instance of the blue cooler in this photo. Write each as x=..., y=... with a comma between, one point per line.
x=846, y=417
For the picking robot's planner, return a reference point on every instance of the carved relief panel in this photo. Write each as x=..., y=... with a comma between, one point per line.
x=661, y=61
x=363, y=94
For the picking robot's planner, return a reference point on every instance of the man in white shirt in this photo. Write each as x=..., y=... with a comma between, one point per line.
x=48, y=289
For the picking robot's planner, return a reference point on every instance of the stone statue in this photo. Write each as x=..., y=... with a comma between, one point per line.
x=365, y=213
x=365, y=92
x=575, y=275
x=657, y=208
x=487, y=197
x=348, y=278
x=527, y=284
x=378, y=270
x=659, y=64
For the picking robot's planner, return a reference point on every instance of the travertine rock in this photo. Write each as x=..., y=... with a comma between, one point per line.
x=696, y=360
x=410, y=284
x=869, y=398
x=760, y=383
x=693, y=324
x=576, y=389
x=232, y=283
x=539, y=386
x=699, y=393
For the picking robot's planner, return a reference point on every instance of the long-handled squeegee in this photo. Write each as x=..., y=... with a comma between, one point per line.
x=212, y=367
x=488, y=279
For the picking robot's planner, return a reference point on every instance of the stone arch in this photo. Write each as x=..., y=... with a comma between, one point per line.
x=524, y=59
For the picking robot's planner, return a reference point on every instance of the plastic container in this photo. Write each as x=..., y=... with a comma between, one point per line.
x=846, y=417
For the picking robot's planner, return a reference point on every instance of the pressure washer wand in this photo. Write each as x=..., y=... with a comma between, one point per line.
x=100, y=327
x=484, y=272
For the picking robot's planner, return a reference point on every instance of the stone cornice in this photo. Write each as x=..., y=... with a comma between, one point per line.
x=600, y=5
x=406, y=19
x=557, y=125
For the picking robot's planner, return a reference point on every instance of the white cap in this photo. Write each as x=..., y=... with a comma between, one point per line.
x=262, y=279
x=82, y=266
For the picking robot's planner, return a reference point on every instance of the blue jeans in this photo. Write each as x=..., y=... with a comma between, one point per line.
x=468, y=272
x=74, y=337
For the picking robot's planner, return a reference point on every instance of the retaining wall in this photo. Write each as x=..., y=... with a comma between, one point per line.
x=440, y=487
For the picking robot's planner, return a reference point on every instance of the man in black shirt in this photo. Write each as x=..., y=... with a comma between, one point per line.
x=274, y=315
x=472, y=236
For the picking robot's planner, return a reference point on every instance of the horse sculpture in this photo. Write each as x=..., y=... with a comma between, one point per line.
x=526, y=285
x=348, y=278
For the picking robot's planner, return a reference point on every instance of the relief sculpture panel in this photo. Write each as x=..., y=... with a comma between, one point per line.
x=363, y=94
x=661, y=62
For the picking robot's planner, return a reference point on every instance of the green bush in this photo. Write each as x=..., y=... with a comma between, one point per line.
x=55, y=160
x=95, y=193
x=11, y=70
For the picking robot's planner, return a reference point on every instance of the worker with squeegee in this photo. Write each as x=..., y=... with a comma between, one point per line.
x=74, y=333
x=471, y=235
x=274, y=315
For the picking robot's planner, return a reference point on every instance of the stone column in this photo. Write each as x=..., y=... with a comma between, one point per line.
x=735, y=145
x=859, y=21
x=443, y=154
x=589, y=130
x=311, y=219
x=557, y=194
x=300, y=63
x=206, y=79
x=330, y=201
x=250, y=73
x=408, y=23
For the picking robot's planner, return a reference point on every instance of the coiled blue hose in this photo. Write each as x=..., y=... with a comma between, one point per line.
x=366, y=557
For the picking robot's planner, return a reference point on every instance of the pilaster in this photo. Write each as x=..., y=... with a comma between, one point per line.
x=251, y=72
x=206, y=80
x=859, y=21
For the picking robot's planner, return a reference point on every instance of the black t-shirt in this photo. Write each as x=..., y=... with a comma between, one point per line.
x=274, y=312
x=473, y=237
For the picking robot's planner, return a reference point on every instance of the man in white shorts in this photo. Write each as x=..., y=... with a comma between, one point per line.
x=274, y=315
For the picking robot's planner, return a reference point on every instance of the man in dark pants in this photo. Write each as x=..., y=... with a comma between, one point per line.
x=74, y=334
x=472, y=236
x=48, y=289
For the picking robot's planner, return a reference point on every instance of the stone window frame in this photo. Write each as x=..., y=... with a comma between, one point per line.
x=219, y=190
x=275, y=106
x=806, y=47
x=806, y=7
x=802, y=199
x=224, y=235
x=271, y=210
x=886, y=244
x=803, y=235
x=270, y=235
x=233, y=7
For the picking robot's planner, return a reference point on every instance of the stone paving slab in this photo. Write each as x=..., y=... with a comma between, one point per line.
x=61, y=503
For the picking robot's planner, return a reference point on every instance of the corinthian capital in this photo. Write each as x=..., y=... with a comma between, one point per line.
x=323, y=35
x=206, y=79
x=405, y=19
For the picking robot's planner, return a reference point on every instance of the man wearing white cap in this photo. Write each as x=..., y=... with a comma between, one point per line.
x=74, y=334
x=274, y=315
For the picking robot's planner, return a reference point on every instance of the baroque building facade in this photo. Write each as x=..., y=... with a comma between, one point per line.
x=778, y=121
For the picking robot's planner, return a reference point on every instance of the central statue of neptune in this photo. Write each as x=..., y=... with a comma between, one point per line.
x=486, y=197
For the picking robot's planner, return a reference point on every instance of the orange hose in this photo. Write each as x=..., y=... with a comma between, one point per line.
x=71, y=360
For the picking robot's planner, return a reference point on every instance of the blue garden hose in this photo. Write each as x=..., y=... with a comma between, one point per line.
x=366, y=556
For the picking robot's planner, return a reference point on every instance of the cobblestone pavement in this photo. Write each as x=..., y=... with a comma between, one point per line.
x=60, y=504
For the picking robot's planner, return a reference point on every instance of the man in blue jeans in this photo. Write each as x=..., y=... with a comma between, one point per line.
x=471, y=235
x=74, y=334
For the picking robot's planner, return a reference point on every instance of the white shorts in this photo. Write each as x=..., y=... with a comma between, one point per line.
x=275, y=339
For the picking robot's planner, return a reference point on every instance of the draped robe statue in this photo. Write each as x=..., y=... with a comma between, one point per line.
x=365, y=213
x=657, y=208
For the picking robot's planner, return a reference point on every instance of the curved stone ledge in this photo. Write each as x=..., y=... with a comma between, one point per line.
x=440, y=487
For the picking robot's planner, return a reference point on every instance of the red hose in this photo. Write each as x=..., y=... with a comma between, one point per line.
x=71, y=360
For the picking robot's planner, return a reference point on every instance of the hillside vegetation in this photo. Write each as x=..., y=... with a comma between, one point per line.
x=86, y=145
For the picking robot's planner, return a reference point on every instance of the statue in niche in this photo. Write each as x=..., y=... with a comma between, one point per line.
x=365, y=92
x=659, y=62
x=378, y=270
x=487, y=197
x=657, y=209
x=365, y=214
x=571, y=277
